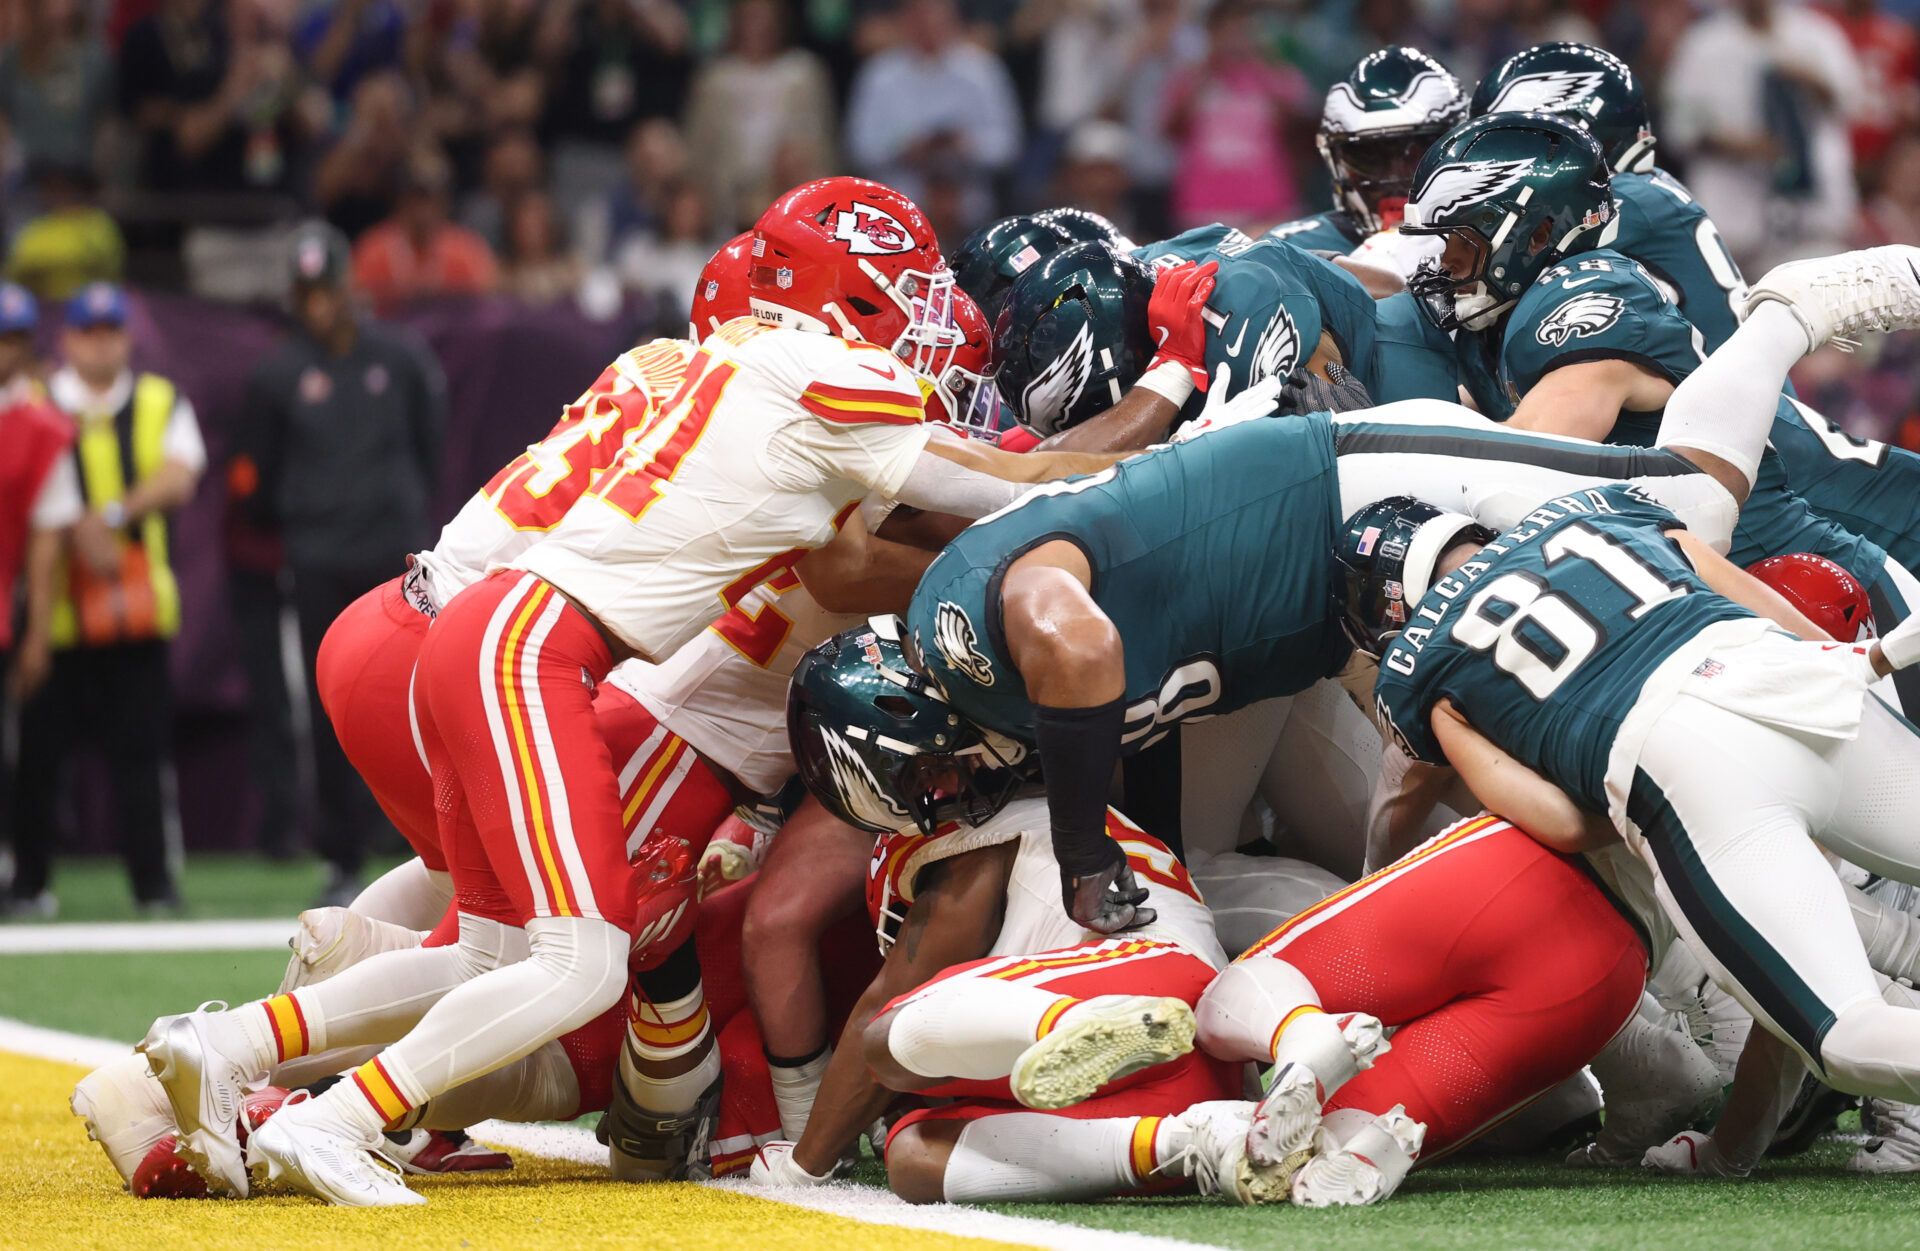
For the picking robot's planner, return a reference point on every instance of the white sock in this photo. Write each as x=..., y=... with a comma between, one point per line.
x=1726, y=406
x=794, y=1086
x=1034, y=1156
x=408, y=894
x=1242, y=1015
x=669, y=1058
x=972, y=1027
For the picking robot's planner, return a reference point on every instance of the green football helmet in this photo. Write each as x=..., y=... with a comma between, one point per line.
x=1384, y=564
x=1584, y=84
x=1509, y=194
x=1087, y=226
x=878, y=745
x=1378, y=122
x=989, y=259
x=1072, y=336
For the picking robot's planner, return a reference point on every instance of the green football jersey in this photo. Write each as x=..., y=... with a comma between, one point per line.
x=1412, y=359
x=1331, y=231
x=1870, y=487
x=1210, y=557
x=1544, y=640
x=1196, y=244
x=1662, y=226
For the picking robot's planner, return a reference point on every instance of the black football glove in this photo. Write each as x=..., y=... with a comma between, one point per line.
x=1308, y=392
x=1106, y=900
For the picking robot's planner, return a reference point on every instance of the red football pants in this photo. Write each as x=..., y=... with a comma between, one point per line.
x=365, y=680
x=525, y=788
x=1501, y=962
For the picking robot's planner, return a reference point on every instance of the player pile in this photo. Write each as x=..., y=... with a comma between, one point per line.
x=1298, y=587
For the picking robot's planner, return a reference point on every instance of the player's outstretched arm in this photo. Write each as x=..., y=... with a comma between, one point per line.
x=860, y=572
x=1765, y=1082
x=1516, y=792
x=969, y=479
x=1070, y=656
x=1730, y=580
x=955, y=917
x=1584, y=400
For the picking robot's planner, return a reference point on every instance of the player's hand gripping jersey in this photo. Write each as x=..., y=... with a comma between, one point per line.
x=531, y=492
x=1548, y=639
x=769, y=437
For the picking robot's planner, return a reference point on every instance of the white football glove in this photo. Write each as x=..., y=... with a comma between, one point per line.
x=1690, y=1153
x=773, y=1165
x=1257, y=400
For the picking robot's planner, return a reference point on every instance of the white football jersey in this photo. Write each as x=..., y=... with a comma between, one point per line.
x=773, y=434
x=534, y=490
x=1035, y=919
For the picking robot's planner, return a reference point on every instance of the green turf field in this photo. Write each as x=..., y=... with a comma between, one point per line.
x=226, y=885
x=1476, y=1205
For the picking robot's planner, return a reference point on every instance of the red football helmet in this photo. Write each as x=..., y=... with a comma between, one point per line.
x=963, y=393
x=1830, y=596
x=721, y=294
x=854, y=258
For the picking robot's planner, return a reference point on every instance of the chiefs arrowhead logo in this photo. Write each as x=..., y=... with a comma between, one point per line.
x=870, y=231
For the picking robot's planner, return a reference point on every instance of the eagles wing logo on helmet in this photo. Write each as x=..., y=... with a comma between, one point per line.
x=1579, y=317
x=1456, y=186
x=1554, y=91
x=1278, y=350
x=870, y=231
x=1057, y=388
x=858, y=789
x=953, y=634
x=1429, y=97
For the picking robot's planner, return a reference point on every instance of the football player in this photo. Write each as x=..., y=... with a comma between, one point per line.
x=1556, y=332
x=1066, y=1056
x=853, y=306
x=1868, y=487
x=988, y=260
x=1598, y=672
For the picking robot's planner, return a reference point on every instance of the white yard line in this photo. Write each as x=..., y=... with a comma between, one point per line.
x=570, y=1142
x=82, y=936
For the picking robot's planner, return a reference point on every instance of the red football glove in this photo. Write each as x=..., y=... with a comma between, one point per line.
x=1173, y=318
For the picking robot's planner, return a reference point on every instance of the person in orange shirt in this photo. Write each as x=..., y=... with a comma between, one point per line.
x=420, y=251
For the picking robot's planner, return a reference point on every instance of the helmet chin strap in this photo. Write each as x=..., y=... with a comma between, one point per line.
x=1479, y=309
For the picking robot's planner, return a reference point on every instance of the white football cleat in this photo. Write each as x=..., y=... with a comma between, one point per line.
x=199, y=1057
x=311, y=1150
x=1363, y=1166
x=1895, y=1143
x=1280, y=1132
x=1656, y=1082
x=1096, y=1041
x=1215, y=1155
x=1836, y=297
x=1690, y=1153
x=331, y=940
x=126, y=1111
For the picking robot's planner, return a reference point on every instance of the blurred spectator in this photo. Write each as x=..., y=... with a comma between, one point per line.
x=1888, y=52
x=656, y=162
x=1094, y=174
x=72, y=242
x=358, y=179
x=666, y=265
x=419, y=251
x=343, y=424
x=215, y=108
x=1167, y=39
x=1230, y=116
x=1757, y=98
x=935, y=107
x=511, y=170
x=1332, y=36
x=56, y=86
x=624, y=60
x=341, y=42
x=1082, y=48
x=39, y=499
x=536, y=264
x=138, y=450
x=761, y=113
x=1893, y=214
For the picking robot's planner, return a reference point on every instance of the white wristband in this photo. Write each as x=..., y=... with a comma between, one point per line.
x=1901, y=645
x=1170, y=380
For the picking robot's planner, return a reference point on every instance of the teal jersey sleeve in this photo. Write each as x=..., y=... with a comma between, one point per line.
x=1331, y=231
x=1197, y=244
x=1664, y=228
x=1598, y=306
x=1262, y=322
x=1412, y=359
x=1869, y=487
x=1545, y=639
x=1346, y=310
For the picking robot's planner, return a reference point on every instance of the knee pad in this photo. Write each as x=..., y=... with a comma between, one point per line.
x=488, y=945
x=1246, y=1004
x=586, y=958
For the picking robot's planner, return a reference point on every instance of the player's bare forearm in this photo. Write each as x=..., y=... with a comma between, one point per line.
x=163, y=490
x=1585, y=400
x=862, y=573
x=1730, y=580
x=1033, y=466
x=1400, y=813
x=850, y=1098
x=1765, y=1081
x=1141, y=418
x=916, y=527
x=1511, y=789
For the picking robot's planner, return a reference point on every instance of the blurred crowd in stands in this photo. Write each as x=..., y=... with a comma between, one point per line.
x=585, y=157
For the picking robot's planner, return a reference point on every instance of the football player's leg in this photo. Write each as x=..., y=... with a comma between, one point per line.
x=1722, y=803
x=1221, y=760
x=1251, y=896
x=815, y=873
x=1047, y=1030
x=1320, y=778
x=669, y=1071
x=406, y=893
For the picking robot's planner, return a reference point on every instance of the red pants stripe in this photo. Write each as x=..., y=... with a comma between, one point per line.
x=1503, y=965
x=365, y=679
x=528, y=802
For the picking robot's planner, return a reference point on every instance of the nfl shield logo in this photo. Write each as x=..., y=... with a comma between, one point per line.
x=783, y=278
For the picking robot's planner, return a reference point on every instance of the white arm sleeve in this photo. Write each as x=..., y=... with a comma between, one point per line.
x=938, y=485
x=182, y=441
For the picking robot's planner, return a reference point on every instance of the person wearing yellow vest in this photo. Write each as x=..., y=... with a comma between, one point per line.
x=138, y=450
